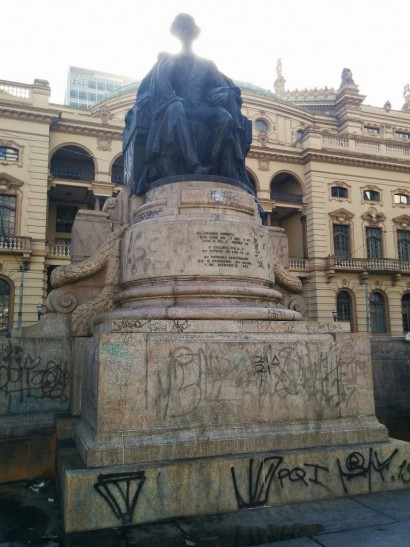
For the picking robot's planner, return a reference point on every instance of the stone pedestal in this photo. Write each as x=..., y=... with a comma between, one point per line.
x=202, y=393
x=197, y=250
x=160, y=390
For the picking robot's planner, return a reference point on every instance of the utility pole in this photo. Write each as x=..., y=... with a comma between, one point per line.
x=20, y=309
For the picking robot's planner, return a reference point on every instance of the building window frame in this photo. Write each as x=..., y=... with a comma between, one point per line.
x=6, y=295
x=65, y=217
x=346, y=309
x=374, y=241
x=400, y=197
x=341, y=217
x=403, y=244
x=378, y=309
x=371, y=194
x=17, y=156
x=371, y=129
x=341, y=240
x=405, y=311
x=261, y=124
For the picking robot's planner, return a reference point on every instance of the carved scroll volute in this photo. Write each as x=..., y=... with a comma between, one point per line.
x=61, y=301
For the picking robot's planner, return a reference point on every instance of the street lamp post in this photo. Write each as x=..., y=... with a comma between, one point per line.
x=20, y=308
x=39, y=311
x=334, y=313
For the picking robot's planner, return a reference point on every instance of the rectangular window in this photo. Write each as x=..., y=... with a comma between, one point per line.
x=7, y=215
x=401, y=199
x=65, y=218
x=341, y=240
x=403, y=243
x=371, y=195
x=371, y=130
x=402, y=135
x=339, y=192
x=374, y=242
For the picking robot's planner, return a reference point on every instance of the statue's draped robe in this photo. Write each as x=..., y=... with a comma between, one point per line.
x=188, y=115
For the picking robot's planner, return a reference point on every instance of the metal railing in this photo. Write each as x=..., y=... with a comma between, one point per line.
x=289, y=198
x=71, y=173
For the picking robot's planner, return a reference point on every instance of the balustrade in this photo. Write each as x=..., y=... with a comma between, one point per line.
x=369, y=264
x=12, y=243
x=59, y=250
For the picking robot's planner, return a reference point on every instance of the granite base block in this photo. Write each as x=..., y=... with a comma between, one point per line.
x=114, y=496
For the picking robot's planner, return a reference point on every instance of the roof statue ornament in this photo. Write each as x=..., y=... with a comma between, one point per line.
x=279, y=68
x=186, y=120
x=279, y=84
x=406, y=95
x=347, y=77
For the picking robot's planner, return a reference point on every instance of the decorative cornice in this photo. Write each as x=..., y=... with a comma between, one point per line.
x=93, y=130
x=45, y=116
x=9, y=184
x=403, y=221
x=341, y=216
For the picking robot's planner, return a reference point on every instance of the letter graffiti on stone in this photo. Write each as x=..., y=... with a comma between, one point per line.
x=359, y=466
x=28, y=384
x=253, y=483
x=244, y=375
x=258, y=482
x=121, y=492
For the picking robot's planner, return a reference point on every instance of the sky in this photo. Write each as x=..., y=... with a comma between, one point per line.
x=315, y=40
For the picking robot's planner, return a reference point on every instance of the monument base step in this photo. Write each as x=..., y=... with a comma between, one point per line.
x=113, y=496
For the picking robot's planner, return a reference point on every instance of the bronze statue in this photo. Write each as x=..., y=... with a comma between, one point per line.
x=186, y=120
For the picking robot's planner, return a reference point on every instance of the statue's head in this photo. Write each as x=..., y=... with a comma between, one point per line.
x=184, y=27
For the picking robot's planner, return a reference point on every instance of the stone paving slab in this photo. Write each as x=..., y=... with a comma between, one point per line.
x=393, y=504
x=384, y=535
x=374, y=520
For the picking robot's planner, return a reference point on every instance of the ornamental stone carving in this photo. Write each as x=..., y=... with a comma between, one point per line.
x=341, y=216
x=263, y=138
x=105, y=115
x=374, y=217
x=104, y=144
x=9, y=184
x=263, y=165
x=403, y=222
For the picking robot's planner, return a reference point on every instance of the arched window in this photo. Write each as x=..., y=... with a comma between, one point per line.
x=117, y=172
x=405, y=310
x=72, y=163
x=378, y=323
x=344, y=305
x=5, y=317
x=252, y=180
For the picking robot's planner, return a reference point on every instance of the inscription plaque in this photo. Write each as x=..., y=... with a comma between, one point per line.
x=224, y=249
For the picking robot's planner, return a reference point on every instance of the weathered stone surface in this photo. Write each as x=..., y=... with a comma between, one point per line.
x=198, y=250
x=28, y=457
x=34, y=380
x=90, y=230
x=157, y=491
x=171, y=389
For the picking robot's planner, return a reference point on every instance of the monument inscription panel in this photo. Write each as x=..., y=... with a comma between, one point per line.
x=224, y=249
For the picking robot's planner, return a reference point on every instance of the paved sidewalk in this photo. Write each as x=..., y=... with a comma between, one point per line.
x=32, y=518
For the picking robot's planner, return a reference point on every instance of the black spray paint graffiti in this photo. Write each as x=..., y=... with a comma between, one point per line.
x=121, y=492
x=26, y=384
x=367, y=466
x=259, y=481
x=252, y=485
x=331, y=376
